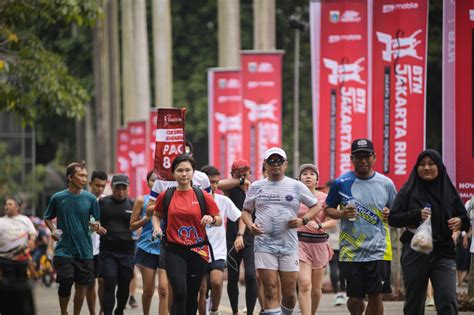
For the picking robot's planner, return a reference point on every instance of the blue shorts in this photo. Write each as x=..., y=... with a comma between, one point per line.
x=147, y=260
x=216, y=265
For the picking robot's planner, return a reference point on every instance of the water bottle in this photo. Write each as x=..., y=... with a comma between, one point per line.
x=428, y=206
x=352, y=204
x=58, y=233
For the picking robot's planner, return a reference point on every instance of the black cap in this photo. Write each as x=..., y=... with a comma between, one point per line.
x=362, y=145
x=120, y=179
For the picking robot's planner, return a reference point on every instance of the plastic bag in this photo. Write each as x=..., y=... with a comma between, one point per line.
x=422, y=241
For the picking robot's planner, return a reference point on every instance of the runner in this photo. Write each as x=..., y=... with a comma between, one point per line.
x=365, y=246
x=96, y=187
x=240, y=243
x=186, y=250
x=73, y=258
x=147, y=256
x=117, y=247
x=276, y=201
x=217, y=238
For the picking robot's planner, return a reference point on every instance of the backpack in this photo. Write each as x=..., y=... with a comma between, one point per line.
x=202, y=204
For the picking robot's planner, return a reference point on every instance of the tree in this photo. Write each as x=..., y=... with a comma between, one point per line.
x=34, y=81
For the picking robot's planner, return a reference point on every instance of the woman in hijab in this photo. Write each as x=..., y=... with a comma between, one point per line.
x=429, y=193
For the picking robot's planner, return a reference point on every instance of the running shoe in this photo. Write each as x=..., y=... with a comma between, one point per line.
x=132, y=302
x=429, y=302
x=338, y=300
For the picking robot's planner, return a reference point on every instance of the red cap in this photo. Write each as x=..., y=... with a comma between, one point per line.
x=240, y=166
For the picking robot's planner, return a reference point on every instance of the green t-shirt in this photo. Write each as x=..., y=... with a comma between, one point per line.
x=73, y=214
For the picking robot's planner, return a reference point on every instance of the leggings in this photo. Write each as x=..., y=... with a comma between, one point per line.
x=335, y=275
x=117, y=271
x=234, y=259
x=185, y=269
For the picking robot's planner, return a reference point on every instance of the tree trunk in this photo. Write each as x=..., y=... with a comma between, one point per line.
x=162, y=53
x=128, y=64
x=142, y=71
x=228, y=13
x=264, y=30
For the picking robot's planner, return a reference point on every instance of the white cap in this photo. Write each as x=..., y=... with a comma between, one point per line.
x=272, y=151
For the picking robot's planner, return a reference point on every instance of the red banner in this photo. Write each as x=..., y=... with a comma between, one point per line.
x=399, y=41
x=170, y=140
x=339, y=45
x=123, y=161
x=262, y=103
x=152, y=137
x=138, y=154
x=458, y=68
x=225, y=118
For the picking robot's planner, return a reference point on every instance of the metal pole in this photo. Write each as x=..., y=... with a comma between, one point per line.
x=296, y=106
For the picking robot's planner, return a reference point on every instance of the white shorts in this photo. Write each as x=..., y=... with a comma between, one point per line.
x=286, y=263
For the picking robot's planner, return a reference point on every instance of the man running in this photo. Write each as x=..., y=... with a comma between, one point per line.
x=73, y=259
x=276, y=201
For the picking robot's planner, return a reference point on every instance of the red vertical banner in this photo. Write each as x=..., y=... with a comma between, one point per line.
x=170, y=140
x=261, y=77
x=225, y=118
x=152, y=125
x=340, y=62
x=464, y=97
x=138, y=155
x=399, y=48
x=123, y=161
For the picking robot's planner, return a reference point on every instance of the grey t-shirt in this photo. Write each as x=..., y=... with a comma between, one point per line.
x=276, y=203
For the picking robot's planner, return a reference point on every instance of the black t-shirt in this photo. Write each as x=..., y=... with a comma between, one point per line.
x=237, y=195
x=115, y=217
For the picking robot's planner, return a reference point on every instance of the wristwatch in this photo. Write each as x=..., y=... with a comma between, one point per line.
x=240, y=234
x=241, y=181
x=320, y=226
x=305, y=220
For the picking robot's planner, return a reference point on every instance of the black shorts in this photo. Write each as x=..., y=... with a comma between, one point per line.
x=162, y=257
x=96, y=266
x=364, y=277
x=216, y=265
x=112, y=264
x=147, y=260
x=81, y=270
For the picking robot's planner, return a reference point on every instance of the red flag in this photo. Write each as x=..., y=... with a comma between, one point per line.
x=399, y=48
x=262, y=103
x=123, y=161
x=170, y=140
x=225, y=118
x=152, y=137
x=137, y=155
x=339, y=45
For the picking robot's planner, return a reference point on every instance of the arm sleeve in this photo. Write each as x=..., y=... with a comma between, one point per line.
x=158, y=187
x=307, y=198
x=249, y=202
x=95, y=211
x=159, y=203
x=392, y=193
x=400, y=216
x=51, y=210
x=333, y=199
x=231, y=210
x=211, y=204
x=31, y=227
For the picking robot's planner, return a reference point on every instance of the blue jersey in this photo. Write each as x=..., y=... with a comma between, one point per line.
x=73, y=214
x=144, y=242
x=368, y=237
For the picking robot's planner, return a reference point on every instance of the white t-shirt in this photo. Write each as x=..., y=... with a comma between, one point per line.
x=216, y=234
x=470, y=213
x=276, y=203
x=14, y=233
x=200, y=179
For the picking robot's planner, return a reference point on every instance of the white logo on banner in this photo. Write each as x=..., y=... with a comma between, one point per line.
x=262, y=67
x=334, y=16
x=348, y=16
x=256, y=84
x=261, y=111
x=228, y=123
x=123, y=164
x=229, y=83
x=344, y=38
x=344, y=72
x=388, y=8
x=136, y=159
x=399, y=47
x=471, y=15
x=138, y=130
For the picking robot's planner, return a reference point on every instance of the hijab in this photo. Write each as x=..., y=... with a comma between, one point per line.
x=440, y=193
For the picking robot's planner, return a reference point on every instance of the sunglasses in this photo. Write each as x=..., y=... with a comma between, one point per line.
x=276, y=161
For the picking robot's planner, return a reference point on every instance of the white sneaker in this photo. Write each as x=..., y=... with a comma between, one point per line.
x=430, y=302
x=338, y=300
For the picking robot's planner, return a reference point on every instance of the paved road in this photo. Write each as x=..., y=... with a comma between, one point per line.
x=46, y=304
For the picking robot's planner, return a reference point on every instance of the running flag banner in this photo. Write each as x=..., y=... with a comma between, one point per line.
x=225, y=117
x=261, y=78
x=170, y=140
x=458, y=96
x=399, y=50
x=152, y=137
x=340, y=69
x=123, y=161
x=137, y=154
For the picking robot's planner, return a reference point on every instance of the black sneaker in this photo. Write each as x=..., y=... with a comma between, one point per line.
x=132, y=302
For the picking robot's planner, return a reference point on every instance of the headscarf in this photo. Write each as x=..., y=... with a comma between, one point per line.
x=440, y=193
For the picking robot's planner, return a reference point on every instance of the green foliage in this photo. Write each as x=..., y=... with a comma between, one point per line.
x=34, y=81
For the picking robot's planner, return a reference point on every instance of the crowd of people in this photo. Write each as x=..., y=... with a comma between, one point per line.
x=285, y=232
